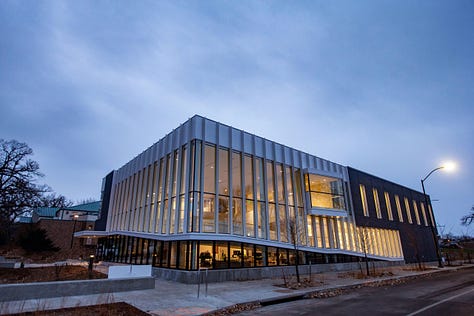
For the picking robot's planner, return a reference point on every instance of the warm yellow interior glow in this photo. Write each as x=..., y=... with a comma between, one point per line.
x=449, y=166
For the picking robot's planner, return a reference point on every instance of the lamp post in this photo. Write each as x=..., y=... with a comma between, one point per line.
x=74, y=228
x=448, y=166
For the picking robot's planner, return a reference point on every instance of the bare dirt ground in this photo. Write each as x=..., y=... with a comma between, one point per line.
x=66, y=273
x=112, y=309
x=47, y=274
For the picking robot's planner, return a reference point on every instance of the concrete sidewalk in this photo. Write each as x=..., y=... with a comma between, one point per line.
x=172, y=298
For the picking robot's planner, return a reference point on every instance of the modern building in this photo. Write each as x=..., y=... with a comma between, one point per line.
x=208, y=195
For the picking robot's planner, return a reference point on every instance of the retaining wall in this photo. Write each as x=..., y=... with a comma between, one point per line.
x=26, y=291
x=258, y=273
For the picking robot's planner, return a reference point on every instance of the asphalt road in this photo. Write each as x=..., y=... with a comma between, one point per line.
x=447, y=293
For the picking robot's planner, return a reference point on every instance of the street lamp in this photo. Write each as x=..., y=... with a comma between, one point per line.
x=449, y=166
x=74, y=228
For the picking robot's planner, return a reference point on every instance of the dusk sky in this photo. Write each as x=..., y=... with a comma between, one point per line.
x=386, y=87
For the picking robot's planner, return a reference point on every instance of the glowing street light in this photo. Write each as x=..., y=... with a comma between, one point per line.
x=447, y=166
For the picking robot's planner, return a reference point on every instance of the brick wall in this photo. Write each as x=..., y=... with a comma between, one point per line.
x=61, y=234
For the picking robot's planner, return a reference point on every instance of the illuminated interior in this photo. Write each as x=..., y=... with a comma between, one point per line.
x=325, y=192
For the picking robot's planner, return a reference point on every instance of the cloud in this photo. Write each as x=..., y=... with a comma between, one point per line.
x=382, y=87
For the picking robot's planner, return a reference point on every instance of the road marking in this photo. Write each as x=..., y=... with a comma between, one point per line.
x=440, y=302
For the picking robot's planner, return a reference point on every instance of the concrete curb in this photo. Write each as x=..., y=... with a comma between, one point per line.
x=324, y=293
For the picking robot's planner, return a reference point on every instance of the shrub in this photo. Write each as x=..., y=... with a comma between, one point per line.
x=36, y=239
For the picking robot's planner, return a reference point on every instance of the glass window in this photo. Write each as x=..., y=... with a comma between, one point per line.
x=194, y=212
x=325, y=192
x=260, y=256
x=326, y=233
x=181, y=214
x=168, y=176
x=299, y=191
x=236, y=175
x=193, y=255
x=173, y=216
x=347, y=235
x=283, y=257
x=248, y=177
x=192, y=159
x=157, y=254
x=270, y=182
x=161, y=180
x=430, y=210
x=223, y=172
x=153, y=198
x=363, y=198
x=249, y=255
x=183, y=253
x=417, y=215
x=301, y=226
x=158, y=217
x=183, y=171
x=399, y=208
x=292, y=257
x=389, y=206
x=333, y=231
x=165, y=254
x=289, y=186
x=273, y=222
x=175, y=173
x=132, y=205
x=205, y=255
x=156, y=171
x=283, y=223
x=272, y=256
x=164, y=225
x=223, y=215
x=196, y=166
x=280, y=183
x=222, y=255
x=197, y=212
x=235, y=255
x=423, y=211
x=208, y=214
x=173, y=254
x=318, y=232
x=377, y=203
x=249, y=218
x=209, y=169
x=310, y=231
x=407, y=207
x=260, y=183
x=261, y=220
x=340, y=234
x=237, y=216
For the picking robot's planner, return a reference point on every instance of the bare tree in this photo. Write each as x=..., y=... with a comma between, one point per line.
x=85, y=201
x=18, y=189
x=468, y=219
x=364, y=242
x=296, y=233
x=55, y=200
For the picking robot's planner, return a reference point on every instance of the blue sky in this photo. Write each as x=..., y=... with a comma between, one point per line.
x=382, y=86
